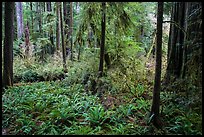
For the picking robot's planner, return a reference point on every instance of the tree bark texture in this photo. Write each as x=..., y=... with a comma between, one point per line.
x=185, y=40
x=27, y=41
x=8, y=44
x=63, y=45
x=157, y=80
x=57, y=27
x=66, y=9
x=102, y=47
x=19, y=15
x=31, y=9
x=71, y=29
x=49, y=9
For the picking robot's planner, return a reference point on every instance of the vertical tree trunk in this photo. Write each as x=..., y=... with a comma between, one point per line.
x=40, y=19
x=19, y=14
x=44, y=6
x=36, y=19
x=63, y=45
x=49, y=6
x=57, y=27
x=183, y=69
x=180, y=39
x=31, y=9
x=71, y=30
x=170, y=33
x=178, y=46
x=107, y=59
x=172, y=46
x=102, y=47
x=79, y=52
x=43, y=10
x=27, y=41
x=49, y=9
x=8, y=44
x=80, y=42
x=157, y=80
x=66, y=9
x=192, y=50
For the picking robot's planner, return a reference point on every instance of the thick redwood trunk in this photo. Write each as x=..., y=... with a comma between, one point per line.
x=185, y=40
x=8, y=44
x=103, y=28
x=19, y=14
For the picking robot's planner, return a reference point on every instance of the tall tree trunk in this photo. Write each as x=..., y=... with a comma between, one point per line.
x=157, y=80
x=27, y=41
x=170, y=33
x=57, y=26
x=192, y=50
x=71, y=30
x=63, y=45
x=180, y=39
x=19, y=14
x=183, y=69
x=40, y=18
x=102, y=47
x=49, y=6
x=44, y=6
x=38, y=10
x=8, y=44
x=185, y=31
x=31, y=9
x=43, y=21
x=49, y=9
x=107, y=59
x=172, y=46
x=67, y=21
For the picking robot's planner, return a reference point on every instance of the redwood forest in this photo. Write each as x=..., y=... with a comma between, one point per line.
x=101, y=68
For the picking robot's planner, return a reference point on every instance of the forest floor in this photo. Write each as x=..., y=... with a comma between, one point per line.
x=81, y=103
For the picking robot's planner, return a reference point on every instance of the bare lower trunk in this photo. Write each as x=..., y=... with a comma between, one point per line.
x=57, y=27
x=8, y=44
x=63, y=44
x=71, y=30
x=103, y=22
x=157, y=80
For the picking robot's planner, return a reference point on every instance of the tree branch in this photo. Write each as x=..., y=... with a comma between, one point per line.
x=176, y=24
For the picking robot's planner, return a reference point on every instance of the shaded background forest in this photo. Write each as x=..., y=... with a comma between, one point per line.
x=111, y=61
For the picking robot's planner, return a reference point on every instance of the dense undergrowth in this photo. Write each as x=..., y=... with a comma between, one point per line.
x=79, y=102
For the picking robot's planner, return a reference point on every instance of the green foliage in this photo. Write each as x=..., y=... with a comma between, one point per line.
x=50, y=19
x=95, y=115
x=29, y=75
x=16, y=48
x=63, y=107
x=138, y=91
x=119, y=103
x=29, y=70
x=181, y=120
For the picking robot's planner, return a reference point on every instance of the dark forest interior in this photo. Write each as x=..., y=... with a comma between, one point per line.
x=101, y=68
